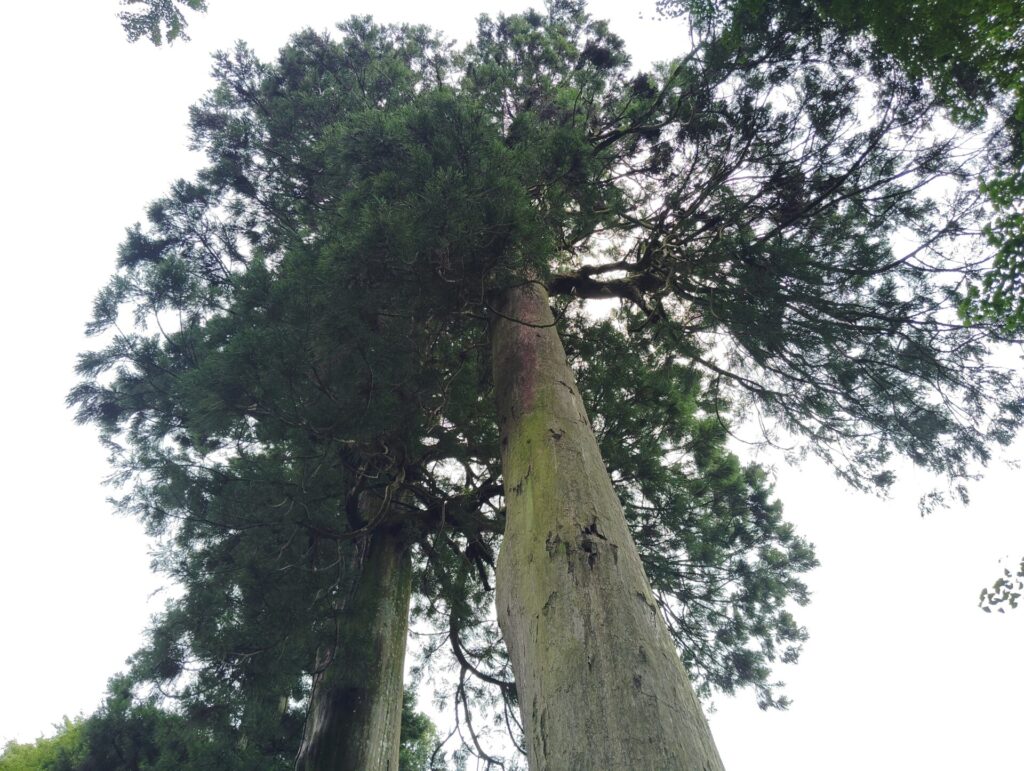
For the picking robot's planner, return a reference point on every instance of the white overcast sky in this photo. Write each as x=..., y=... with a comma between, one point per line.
x=902, y=670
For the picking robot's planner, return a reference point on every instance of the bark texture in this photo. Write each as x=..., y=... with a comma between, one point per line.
x=600, y=683
x=355, y=712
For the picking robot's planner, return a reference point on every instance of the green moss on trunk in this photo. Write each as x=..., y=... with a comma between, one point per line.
x=599, y=679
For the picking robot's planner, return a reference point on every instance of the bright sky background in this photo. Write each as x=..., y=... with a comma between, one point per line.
x=902, y=670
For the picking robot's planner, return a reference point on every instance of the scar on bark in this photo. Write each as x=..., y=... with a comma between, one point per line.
x=650, y=605
x=543, y=732
x=550, y=601
x=518, y=489
x=588, y=543
x=552, y=542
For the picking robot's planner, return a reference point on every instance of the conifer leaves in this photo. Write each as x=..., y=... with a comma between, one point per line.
x=158, y=20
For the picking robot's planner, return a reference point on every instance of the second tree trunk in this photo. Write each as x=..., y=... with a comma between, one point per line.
x=355, y=711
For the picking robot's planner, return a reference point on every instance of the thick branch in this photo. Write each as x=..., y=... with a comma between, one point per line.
x=582, y=285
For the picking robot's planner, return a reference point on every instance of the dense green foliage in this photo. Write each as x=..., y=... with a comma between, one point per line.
x=970, y=55
x=65, y=749
x=419, y=738
x=131, y=734
x=1000, y=294
x=306, y=321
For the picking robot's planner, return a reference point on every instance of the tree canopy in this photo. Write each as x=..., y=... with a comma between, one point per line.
x=306, y=321
x=971, y=58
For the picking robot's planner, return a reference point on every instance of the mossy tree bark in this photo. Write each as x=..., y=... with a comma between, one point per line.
x=355, y=712
x=600, y=683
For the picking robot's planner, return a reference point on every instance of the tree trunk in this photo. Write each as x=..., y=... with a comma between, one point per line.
x=600, y=683
x=355, y=711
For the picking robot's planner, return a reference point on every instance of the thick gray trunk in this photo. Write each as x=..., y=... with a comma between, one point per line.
x=600, y=683
x=355, y=711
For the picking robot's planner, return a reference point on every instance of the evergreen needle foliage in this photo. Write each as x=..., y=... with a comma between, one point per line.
x=970, y=58
x=158, y=20
x=968, y=55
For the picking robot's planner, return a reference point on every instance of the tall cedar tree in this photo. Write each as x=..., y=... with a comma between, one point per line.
x=249, y=426
x=380, y=211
